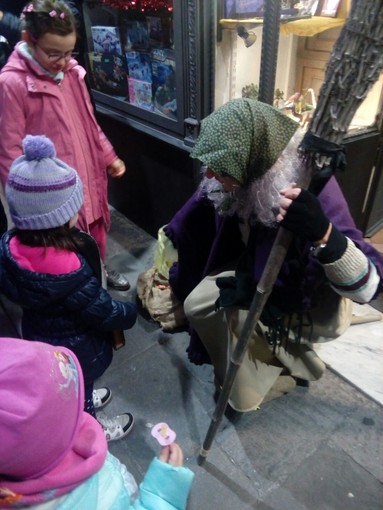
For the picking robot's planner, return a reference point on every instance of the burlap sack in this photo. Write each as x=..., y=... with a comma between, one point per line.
x=157, y=298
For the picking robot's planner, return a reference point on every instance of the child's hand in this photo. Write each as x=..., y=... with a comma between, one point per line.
x=116, y=169
x=172, y=454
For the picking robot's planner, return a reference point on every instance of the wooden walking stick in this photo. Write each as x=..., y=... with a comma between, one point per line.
x=355, y=64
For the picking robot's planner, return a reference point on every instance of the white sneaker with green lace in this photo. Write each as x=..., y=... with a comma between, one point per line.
x=116, y=427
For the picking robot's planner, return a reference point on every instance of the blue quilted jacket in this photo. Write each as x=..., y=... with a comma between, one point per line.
x=71, y=309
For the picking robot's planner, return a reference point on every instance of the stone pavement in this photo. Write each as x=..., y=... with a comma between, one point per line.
x=316, y=448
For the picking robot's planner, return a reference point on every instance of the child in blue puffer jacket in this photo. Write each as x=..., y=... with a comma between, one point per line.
x=53, y=271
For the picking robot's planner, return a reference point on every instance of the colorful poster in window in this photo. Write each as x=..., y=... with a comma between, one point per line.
x=164, y=82
x=109, y=73
x=106, y=39
x=163, y=65
x=140, y=94
x=139, y=65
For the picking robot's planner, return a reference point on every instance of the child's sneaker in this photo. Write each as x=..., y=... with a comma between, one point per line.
x=116, y=427
x=101, y=397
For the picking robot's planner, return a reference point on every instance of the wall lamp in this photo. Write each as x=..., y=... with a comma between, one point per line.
x=249, y=38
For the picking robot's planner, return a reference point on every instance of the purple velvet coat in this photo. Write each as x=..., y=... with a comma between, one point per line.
x=206, y=241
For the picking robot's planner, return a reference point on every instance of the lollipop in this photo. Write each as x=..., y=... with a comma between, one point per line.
x=163, y=433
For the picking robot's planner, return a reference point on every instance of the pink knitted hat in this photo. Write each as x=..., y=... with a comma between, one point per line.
x=46, y=440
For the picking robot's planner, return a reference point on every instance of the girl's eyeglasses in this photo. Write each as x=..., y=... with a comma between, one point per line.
x=55, y=56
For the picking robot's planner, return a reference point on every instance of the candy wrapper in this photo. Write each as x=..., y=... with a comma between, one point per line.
x=163, y=433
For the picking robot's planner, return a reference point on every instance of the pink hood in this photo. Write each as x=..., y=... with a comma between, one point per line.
x=48, y=444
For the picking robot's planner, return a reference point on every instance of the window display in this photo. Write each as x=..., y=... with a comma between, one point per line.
x=146, y=60
x=131, y=54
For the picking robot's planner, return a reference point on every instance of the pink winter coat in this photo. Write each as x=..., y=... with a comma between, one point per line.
x=31, y=102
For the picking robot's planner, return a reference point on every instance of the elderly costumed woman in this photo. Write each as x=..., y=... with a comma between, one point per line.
x=224, y=234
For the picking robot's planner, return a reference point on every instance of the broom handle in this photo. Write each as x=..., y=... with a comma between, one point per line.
x=264, y=288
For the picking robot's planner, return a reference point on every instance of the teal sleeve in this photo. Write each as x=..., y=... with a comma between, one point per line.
x=164, y=487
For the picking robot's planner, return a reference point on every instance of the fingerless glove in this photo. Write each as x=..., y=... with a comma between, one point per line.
x=306, y=218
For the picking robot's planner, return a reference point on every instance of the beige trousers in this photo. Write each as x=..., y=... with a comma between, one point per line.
x=260, y=369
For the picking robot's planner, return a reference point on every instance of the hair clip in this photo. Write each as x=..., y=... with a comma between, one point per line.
x=28, y=8
x=53, y=14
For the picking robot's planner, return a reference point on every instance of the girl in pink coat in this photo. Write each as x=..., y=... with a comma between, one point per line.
x=42, y=91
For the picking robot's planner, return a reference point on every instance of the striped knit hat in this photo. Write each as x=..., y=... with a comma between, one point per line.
x=42, y=191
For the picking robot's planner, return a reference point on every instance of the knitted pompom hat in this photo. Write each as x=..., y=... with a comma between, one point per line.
x=42, y=191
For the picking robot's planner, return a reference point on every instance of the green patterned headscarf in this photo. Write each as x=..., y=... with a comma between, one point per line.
x=243, y=139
